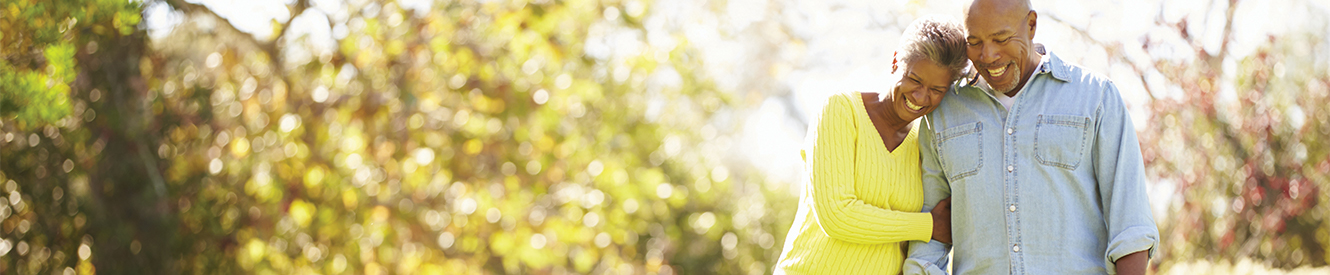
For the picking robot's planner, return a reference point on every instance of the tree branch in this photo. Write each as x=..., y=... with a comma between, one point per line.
x=1116, y=46
x=270, y=47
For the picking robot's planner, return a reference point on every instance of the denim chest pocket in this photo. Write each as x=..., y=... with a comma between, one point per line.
x=1061, y=140
x=960, y=150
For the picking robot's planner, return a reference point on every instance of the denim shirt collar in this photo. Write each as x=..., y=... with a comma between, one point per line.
x=1049, y=63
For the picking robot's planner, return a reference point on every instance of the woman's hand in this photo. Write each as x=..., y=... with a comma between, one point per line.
x=942, y=221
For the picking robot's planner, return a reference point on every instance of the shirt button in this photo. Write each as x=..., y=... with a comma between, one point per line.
x=1010, y=130
x=1016, y=248
x=1012, y=208
x=1010, y=168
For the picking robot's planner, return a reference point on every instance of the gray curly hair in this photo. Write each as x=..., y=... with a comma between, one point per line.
x=940, y=39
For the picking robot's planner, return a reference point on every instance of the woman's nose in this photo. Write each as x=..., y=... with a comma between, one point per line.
x=918, y=95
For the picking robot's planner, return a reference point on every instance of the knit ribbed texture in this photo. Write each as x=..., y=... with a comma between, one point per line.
x=860, y=203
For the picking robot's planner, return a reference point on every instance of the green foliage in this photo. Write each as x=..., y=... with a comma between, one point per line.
x=503, y=137
x=37, y=52
x=38, y=97
x=473, y=138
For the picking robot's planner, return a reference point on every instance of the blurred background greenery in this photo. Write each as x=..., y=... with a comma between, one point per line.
x=580, y=136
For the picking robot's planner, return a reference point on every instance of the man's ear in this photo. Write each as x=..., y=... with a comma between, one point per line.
x=1032, y=19
x=894, y=59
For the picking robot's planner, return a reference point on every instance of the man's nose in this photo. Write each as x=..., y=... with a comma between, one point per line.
x=988, y=54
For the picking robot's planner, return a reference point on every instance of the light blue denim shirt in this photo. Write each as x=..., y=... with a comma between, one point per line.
x=1055, y=185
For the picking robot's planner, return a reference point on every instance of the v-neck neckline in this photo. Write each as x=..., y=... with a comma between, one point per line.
x=872, y=128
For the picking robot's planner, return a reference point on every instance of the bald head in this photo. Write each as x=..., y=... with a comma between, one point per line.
x=998, y=7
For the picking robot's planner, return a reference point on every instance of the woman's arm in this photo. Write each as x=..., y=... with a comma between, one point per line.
x=842, y=215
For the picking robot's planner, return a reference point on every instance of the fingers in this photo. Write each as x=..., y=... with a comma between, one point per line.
x=944, y=203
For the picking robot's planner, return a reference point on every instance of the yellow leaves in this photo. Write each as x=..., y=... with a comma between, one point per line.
x=373, y=268
x=465, y=60
x=314, y=177
x=313, y=181
x=502, y=243
x=350, y=199
x=585, y=259
x=486, y=104
x=431, y=269
x=302, y=212
x=239, y=147
x=439, y=45
x=531, y=249
x=410, y=263
x=488, y=73
x=544, y=144
x=508, y=23
x=261, y=187
x=353, y=141
x=473, y=146
x=276, y=27
x=395, y=47
x=86, y=267
x=279, y=91
x=253, y=252
x=380, y=214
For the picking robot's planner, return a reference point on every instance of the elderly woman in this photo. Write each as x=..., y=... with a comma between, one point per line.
x=862, y=199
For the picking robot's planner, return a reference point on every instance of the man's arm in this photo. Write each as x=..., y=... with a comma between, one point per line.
x=1120, y=173
x=929, y=257
x=1133, y=264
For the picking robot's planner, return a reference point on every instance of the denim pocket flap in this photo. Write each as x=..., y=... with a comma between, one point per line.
x=1061, y=140
x=960, y=150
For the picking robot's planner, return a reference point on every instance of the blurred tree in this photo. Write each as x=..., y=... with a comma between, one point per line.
x=75, y=183
x=494, y=137
x=514, y=137
x=1243, y=139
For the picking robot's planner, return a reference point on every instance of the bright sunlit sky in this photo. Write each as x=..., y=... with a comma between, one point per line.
x=802, y=51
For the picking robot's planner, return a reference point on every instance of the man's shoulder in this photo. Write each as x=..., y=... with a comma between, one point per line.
x=1079, y=80
x=1075, y=73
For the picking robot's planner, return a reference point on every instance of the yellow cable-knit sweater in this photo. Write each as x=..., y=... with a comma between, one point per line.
x=860, y=203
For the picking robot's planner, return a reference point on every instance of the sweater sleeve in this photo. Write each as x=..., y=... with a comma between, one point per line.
x=841, y=214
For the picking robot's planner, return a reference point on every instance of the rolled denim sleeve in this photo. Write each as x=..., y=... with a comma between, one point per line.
x=1120, y=173
x=929, y=257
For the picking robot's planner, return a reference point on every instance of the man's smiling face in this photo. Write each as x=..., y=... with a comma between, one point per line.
x=999, y=42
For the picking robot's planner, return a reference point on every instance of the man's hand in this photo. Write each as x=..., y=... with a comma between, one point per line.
x=942, y=221
x=1132, y=264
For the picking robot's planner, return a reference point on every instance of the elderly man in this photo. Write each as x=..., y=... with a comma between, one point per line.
x=1040, y=159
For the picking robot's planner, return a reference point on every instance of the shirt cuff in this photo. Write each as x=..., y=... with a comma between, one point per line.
x=1131, y=240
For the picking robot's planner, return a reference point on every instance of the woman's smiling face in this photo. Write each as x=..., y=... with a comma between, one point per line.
x=920, y=88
